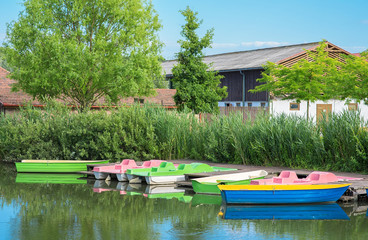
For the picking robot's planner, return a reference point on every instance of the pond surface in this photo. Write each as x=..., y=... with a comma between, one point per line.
x=48, y=206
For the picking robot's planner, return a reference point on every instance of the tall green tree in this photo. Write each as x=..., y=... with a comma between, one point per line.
x=3, y=62
x=196, y=83
x=82, y=50
x=354, y=85
x=310, y=79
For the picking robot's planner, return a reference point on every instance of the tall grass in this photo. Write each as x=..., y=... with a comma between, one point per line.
x=345, y=140
x=141, y=133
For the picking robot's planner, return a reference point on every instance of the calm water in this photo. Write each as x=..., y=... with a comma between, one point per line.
x=65, y=207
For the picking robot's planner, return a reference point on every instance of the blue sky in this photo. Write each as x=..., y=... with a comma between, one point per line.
x=251, y=24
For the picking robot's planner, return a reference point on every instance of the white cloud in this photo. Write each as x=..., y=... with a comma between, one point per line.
x=263, y=44
x=365, y=22
x=225, y=45
x=355, y=49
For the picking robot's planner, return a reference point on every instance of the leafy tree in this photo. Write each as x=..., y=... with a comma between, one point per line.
x=3, y=62
x=82, y=50
x=196, y=83
x=354, y=84
x=310, y=79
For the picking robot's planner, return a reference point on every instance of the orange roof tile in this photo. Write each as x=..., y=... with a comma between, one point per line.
x=8, y=98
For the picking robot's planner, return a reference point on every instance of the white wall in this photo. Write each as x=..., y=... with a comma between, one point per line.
x=278, y=106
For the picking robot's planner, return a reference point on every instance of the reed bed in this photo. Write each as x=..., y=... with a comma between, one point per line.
x=337, y=142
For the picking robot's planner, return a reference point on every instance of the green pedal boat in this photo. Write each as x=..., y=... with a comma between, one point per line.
x=208, y=185
x=160, y=176
x=59, y=166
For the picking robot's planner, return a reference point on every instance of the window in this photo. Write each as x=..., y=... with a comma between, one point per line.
x=352, y=106
x=238, y=104
x=294, y=106
x=249, y=104
x=139, y=100
x=263, y=104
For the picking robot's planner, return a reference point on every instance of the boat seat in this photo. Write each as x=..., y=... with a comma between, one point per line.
x=151, y=163
x=126, y=163
x=284, y=177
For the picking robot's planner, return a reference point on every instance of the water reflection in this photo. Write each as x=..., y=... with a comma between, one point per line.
x=199, y=199
x=50, y=178
x=284, y=212
x=74, y=211
x=104, y=186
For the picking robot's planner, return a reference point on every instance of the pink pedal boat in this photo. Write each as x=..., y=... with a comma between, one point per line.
x=290, y=177
x=120, y=169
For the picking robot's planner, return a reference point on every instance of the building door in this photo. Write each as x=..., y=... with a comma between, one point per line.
x=323, y=109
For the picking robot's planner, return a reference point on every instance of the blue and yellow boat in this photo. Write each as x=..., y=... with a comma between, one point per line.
x=282, y=194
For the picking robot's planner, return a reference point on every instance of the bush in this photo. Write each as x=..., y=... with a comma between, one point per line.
x=149, y=132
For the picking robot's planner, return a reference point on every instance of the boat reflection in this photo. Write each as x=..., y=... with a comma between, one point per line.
x=328, y=211
x=50, y=178
x=157, y=191
x=104, y=186
x=199, y=199
x=164, y=191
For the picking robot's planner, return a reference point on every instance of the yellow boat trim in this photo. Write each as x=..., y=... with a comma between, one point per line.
x=282, y=187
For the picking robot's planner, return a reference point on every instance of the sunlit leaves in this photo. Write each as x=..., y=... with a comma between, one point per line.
x=196, y=83
x=82, y=50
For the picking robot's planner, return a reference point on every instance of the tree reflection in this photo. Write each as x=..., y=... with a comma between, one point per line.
x=68, y=211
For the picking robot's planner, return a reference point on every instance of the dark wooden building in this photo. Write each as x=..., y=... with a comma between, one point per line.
x=242, y=69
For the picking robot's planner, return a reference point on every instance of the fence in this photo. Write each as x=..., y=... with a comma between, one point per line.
x=247, y=112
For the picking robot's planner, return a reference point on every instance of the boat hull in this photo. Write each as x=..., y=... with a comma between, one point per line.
x=100, y=175
x=132, y=178
x=164, y=179
x=122, y=177
x=281, y=194
x=55, y=166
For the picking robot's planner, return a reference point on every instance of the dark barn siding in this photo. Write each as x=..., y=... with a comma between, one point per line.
x=234, y=83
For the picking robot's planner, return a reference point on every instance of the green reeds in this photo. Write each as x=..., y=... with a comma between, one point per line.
x=151, y=132
x=345, y=140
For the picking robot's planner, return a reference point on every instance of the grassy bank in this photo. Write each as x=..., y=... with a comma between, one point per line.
x=151, y=132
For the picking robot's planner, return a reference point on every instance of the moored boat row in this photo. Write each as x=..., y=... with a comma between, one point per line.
x=235, y=188
x=153, y=171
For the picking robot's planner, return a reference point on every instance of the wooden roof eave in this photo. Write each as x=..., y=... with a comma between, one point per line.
x=311, y=49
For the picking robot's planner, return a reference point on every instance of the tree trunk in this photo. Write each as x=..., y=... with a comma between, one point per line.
x=308, y=110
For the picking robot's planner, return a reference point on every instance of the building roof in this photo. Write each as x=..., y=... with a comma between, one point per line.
x=7, y=97
x=252, y=59
x=15, y=99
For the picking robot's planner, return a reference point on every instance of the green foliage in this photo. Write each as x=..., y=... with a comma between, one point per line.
x=151, y=132
x=55, y=133
x=81, y=50
x=345, y=140
x=354, y=83
x=196, y=83
x=3, y=62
